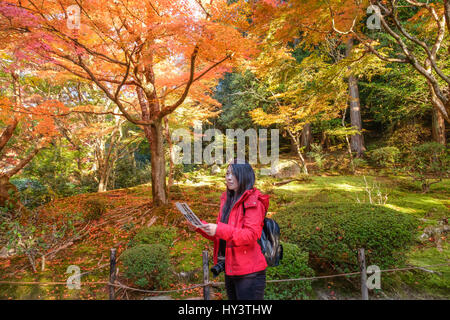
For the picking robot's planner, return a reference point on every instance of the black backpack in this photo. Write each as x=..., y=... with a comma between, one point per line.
x=270, y=244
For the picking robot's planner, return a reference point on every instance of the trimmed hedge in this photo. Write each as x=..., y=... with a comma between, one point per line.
x=333, y=232
x=293, y=265
x=147, y=266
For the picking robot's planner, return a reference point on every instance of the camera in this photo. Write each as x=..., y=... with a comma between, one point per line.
x=218, y=268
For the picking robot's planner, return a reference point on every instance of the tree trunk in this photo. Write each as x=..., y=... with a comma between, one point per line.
x=307, y=137
x=438, y=127
x=9, y=193
x=357, y=140
x=169, y=141
x=293, y=146
x=104, y=175
x=296, y=139
x=438, y=121
x=155, y=137
x=7, y=133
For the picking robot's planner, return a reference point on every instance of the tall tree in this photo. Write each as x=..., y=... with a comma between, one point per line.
x=357, y=140
x=24, y=132
x=400, y=25
x=301, y=93
x=147, y=57
x=412, y=32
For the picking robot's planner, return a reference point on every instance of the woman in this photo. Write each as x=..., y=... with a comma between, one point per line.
x=235, y=235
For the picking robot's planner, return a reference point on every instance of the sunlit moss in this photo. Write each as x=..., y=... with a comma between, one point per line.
x=401, y=209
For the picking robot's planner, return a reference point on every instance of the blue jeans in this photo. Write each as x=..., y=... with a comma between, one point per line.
x=246, y=287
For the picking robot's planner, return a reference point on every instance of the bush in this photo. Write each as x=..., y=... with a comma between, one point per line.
x=407, y=137
x=95, y=208
x=32, y=192
x=318, y=155
x=428, y=161
x=155, y=235
x=293, y=265
x=129, y=173
x=359, y=163
x=147, y=266
x=386, y=157
x=334, y=232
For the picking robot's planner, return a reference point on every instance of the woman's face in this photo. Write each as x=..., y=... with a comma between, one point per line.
x=231, y=180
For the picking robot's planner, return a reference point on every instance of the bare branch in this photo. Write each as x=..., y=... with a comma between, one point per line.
x=431, y=53
x=199, y=76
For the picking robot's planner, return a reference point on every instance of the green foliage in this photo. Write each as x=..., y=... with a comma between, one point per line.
x=428, y=161
x=128, y=173
x=408, y=136
x=239, y=93
x=391, y=105
x=178, y=171
x=386, y=157
x=293, y=265
x=32, y=192
x=24, y=239
x=433, y=283
x=56, y=169
x=155, y=234
x=29, y=238
x=147, y=266
x=333, y=232
x=359, y=163
x=95, y=208
x=318, y=154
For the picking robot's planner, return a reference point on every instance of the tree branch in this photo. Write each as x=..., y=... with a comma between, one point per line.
x=170, y=109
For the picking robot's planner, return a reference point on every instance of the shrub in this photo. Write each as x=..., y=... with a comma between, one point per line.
x=32, y=192
x=318, y=155
x=154, y=235
x=147, y=266
x=359, y=163
x=177, y=172
x=95, y=208
x=334, y=232
x=129, y=173
x=408, y=136
x=428, y=161
x=384, y=157
x=293, y=265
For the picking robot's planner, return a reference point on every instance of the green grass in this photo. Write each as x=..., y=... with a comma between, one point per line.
x=403, y=196
x=349, y=188
x=431, y=283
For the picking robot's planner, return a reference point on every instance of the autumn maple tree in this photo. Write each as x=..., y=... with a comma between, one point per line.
x=27, y=125
x=147, y=57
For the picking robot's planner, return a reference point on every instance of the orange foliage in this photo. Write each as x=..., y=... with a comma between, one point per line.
x=126, y=45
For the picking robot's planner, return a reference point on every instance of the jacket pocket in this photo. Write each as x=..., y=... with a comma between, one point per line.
x=242, y=257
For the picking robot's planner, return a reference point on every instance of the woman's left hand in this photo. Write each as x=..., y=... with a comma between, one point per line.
x=209, y=229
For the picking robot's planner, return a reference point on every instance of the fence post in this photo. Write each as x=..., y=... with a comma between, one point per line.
x=112, y=273
x=362, y=268
x=206, y=288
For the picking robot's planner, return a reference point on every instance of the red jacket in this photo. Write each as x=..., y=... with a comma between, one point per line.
x=243, y=253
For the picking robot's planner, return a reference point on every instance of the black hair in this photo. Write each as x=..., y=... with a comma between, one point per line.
x=245, y=177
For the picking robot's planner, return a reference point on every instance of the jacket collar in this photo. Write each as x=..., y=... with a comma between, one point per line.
x=251, y=193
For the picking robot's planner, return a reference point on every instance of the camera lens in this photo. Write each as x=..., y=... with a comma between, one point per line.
x=218, y=268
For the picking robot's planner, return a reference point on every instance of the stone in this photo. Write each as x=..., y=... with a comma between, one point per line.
x=215, y=169
x=286, y=169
